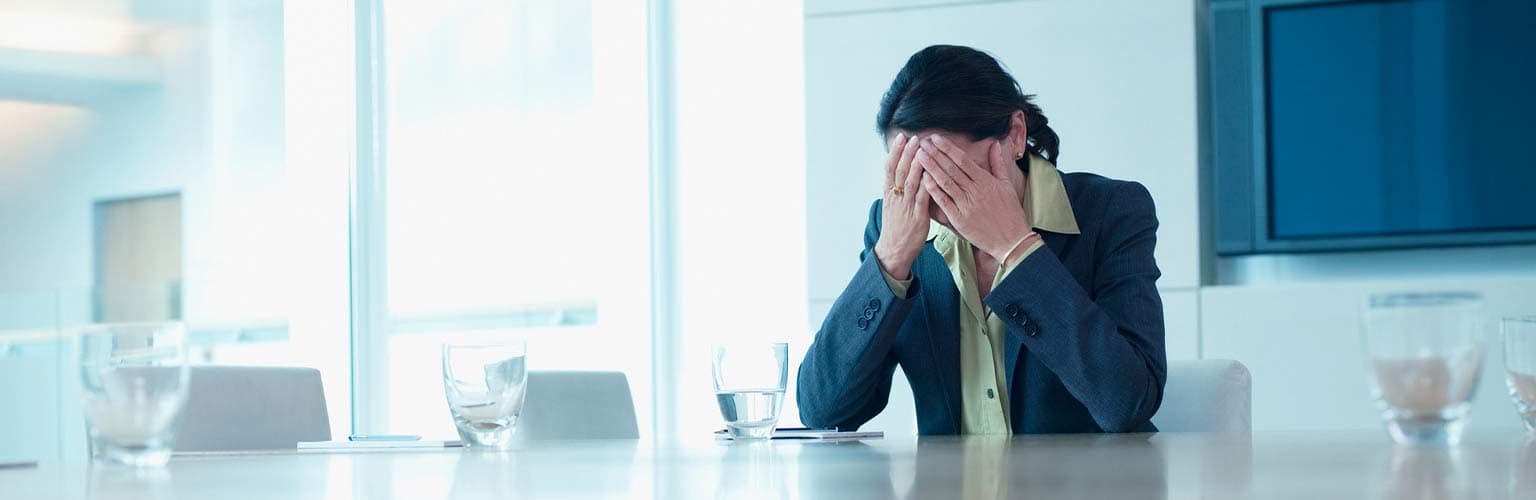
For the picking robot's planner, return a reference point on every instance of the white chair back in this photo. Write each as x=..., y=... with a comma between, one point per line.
x=1210, y=395
x=577, y=405
x=252, y=408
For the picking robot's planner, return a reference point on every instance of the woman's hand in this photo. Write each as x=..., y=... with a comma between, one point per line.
x=980, y=203
x=904, y=216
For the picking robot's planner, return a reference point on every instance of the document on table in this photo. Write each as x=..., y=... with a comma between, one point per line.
x=331, y=447
x=814, y=434
x=375, y=445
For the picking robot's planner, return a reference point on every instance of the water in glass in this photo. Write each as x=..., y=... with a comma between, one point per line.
x=749, y=386
x=751, y=411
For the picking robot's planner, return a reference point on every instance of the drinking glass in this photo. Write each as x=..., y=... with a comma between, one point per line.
x=1520, y=366
x=485, y=385
x=134, y=384
x=749, y=386
x=1424, y=354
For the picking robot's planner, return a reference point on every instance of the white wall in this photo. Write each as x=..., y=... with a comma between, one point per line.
x=1294, y=319
x=265, y=211
x=1118, y=80
x=212, y=130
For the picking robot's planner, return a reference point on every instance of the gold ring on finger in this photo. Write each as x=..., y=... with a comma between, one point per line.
x=897, y=190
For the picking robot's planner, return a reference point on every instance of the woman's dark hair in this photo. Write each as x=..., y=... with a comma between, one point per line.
x=961, y=89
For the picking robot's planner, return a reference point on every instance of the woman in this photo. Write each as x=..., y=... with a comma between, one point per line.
x=1015, y=298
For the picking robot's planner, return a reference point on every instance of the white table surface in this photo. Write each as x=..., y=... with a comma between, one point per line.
x=1307, y=466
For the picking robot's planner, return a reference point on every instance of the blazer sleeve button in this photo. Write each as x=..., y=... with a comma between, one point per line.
x=1012, y=310
x=874, y=304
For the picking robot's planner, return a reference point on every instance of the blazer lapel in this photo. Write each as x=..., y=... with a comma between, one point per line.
x=942, y=301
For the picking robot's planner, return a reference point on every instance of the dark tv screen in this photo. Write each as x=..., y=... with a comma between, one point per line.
x=1400, y=117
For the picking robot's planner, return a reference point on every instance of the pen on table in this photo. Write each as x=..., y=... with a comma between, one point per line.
x=384, y=437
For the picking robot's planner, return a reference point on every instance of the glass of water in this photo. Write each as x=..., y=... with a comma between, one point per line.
x=134, y=384
x=1520, y=366
x=485, y=385
x=1424, y=354
x=749, y=385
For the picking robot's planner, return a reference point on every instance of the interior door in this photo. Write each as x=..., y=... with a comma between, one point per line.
x=138, y=264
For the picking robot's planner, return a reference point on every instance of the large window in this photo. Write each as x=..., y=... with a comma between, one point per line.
x=516, y=199
x=348, y=185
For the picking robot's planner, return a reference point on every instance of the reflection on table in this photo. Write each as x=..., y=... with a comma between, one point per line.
x=1306, y=465
x=988, y=467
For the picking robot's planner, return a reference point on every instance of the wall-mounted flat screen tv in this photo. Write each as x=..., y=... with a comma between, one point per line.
x=1346, y=125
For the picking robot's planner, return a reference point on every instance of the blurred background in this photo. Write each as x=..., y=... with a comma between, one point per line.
x=624, y=183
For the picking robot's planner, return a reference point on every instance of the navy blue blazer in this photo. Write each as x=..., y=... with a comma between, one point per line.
x=1084, y=344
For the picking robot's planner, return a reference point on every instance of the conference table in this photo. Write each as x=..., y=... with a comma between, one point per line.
x=1288, y=465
